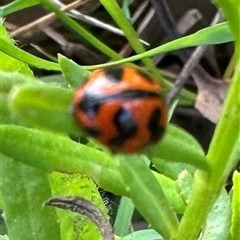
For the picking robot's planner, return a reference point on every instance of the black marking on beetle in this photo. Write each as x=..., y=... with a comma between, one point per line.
x=93, y=131
x=154, y=126
x=133, y=94
x=91, y=103
x=126, y=126
x=114, y=74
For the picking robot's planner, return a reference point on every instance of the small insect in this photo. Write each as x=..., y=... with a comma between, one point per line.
x=122, y=108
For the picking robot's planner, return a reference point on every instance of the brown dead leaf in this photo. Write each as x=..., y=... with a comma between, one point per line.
x=210, y=98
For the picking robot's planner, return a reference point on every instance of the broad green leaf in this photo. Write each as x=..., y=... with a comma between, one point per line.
x=10, y=80
x=74, y=74
x=147, y=234
x=171, y=169
x=179, y=146
x=24, y=190
x=7, y=82
x=124, y=217
x=73, y=226
x=51, y=152
x=44, y=105
x=137, y=178
x=172, y=193
x=235, y=229
x=219, y=219
x=16, y=6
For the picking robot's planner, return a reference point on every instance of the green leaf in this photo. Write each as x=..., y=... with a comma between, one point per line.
x=124, y=216
x=74, y=74
x=147, y=234
x=172, y=192
x=117, y=14
x=7, y=83
x=45, y=106
x=185, y=184
x=16, y=6
x=218, y=220
x=10, y=64
x=137, y=177
x=75, y=26
x=179, y=146
x=24, y=190
x=56, y=79
x=73, y=226
x=217, y=34
x=172, y=169
x=232, y=13
x=235, y=229
x=51, y=152
x=125, y=8
x=26, y=57
x=223, y=145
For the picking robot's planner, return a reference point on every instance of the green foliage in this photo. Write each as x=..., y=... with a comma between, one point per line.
x=25, y=216
x=74, y=226
x=235, y=231
x=39, y=160
x=124, y=217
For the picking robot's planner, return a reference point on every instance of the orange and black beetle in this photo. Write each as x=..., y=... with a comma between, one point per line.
x=122, y=108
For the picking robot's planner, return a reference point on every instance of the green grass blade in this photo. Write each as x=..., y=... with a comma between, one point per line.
x=16, y=6
x=117, y=14
x=11, y=64
x=217, y=34
x=81, y=31
x=25, y=57
x=124, y=217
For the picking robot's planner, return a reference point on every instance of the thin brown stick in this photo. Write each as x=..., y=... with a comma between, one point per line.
x=44, y=21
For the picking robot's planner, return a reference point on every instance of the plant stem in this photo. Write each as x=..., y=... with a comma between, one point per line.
x=207, y=187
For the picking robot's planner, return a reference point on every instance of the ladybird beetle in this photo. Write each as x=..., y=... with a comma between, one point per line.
x=122, y=108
